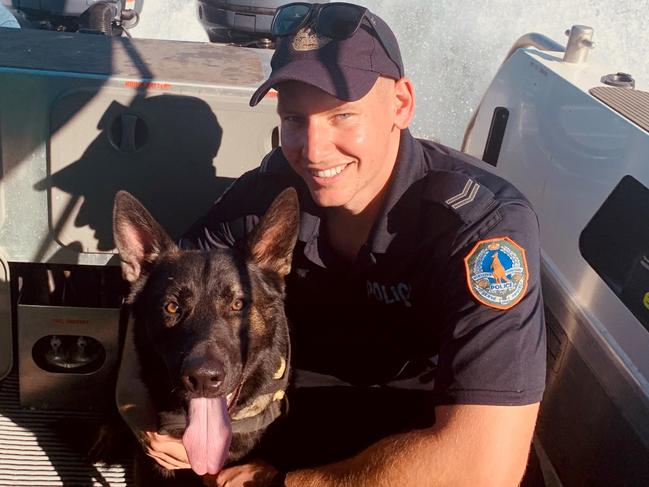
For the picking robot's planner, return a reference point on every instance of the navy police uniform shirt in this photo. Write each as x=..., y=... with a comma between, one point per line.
x=441, y=306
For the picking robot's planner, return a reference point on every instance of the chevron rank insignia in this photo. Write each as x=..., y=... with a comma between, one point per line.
x=464, y=197
x=496, y=272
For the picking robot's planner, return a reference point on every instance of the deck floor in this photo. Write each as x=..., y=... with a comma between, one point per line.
x=34, y=453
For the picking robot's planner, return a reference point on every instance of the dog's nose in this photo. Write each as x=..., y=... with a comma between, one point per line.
x=204, y=378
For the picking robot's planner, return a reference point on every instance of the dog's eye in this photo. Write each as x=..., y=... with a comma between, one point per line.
x=172, y=307
x=238, y=304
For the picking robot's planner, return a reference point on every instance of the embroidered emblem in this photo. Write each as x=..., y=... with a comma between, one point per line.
x=306, y=39
x=466, y=196
x=497, y=272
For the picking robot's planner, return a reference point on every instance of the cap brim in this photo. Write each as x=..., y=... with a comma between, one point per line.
x=345, y=83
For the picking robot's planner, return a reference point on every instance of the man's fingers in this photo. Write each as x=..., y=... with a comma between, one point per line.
x=255, y=474
x=234, y=477
x=164, y=463
x=166, y=460
x=226, y=475
x=166, y=450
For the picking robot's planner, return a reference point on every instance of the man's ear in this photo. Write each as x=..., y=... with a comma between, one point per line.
x=138, y=237
x=270, y=245
x=405, y=102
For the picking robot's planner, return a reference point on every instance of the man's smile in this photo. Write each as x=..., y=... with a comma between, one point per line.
x=328, y=174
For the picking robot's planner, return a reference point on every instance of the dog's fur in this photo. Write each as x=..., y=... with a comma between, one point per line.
x=229, y=319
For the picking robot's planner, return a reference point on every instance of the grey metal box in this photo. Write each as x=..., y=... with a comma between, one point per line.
x=66, y=389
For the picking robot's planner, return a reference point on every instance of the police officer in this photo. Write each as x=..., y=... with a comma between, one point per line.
x=414, y=296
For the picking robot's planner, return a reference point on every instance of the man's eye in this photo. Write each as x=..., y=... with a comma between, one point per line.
x=343, y=116
x=238, y=304
x=172, y=308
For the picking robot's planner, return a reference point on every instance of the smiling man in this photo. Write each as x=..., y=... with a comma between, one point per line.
x=418, y=343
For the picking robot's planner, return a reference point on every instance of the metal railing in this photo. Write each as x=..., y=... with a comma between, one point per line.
x=576, y=51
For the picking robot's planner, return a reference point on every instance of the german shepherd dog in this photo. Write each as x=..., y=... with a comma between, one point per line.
x=209, y=328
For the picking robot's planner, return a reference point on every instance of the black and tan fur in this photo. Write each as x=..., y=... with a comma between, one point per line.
x=229, y=331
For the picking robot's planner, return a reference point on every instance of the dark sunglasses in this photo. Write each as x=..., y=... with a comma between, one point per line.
x=337, y=21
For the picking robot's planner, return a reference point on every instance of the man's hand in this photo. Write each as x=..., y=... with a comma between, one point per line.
x=254, y=474
x=164, y=449
x=136, y=408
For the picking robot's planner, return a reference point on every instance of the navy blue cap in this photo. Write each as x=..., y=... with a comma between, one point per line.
x=346, y=69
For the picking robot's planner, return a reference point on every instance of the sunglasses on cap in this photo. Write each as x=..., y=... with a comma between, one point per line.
x=338, y=21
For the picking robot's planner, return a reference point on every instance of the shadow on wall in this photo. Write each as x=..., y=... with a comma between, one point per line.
x=160, y=149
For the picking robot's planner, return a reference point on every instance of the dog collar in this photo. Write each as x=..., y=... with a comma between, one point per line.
x=267, y=407
x=259, y=419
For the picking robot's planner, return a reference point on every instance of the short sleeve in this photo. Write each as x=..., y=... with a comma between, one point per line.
x=492, y=347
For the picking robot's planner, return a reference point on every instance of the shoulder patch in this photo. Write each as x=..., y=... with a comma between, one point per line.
x=496, y=272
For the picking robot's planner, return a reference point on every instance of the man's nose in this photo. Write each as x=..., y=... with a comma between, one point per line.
x=317, y=142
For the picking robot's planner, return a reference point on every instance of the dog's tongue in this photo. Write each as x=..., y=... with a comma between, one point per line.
x=208, y=434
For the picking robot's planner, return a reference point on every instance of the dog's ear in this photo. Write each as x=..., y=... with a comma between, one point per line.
x=271, y=242
x=138, y=237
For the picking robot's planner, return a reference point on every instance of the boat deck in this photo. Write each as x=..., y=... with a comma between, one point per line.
x=34, y=452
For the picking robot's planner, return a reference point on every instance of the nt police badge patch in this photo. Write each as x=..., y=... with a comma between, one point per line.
x=496, y=272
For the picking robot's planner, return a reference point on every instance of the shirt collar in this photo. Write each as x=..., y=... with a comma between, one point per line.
x=396, y=224
x=310, y=218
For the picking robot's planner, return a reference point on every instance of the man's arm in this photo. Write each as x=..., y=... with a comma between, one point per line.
x=470, y=445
